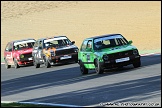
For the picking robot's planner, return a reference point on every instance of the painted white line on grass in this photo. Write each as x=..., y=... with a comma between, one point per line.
x=37, y=103
x=7, y=101
x=49, y=104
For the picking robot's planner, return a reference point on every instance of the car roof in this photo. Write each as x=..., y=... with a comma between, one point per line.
x=51, y=37
x=22, y=40
x=94, y=37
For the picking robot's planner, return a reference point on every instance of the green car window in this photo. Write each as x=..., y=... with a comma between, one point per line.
x=83, y=46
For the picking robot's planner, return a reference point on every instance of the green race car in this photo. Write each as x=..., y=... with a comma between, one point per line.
x=105, y=52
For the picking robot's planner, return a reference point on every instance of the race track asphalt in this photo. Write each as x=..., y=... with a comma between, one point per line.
x=64, y=84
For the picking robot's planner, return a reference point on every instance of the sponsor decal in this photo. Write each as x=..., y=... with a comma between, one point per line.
x=49, y=40
x=107, y=38
x=22, y=42
x=65, y=57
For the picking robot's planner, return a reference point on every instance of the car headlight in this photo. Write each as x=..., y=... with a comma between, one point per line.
x=105, y=57
x=21, y=56
x=135, y=52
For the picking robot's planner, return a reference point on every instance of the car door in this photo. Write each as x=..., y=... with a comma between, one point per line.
x=8, y=53
x=82, y=52
x=86, y=55
x=89, y=58
x=35, y=50
x=40, y=51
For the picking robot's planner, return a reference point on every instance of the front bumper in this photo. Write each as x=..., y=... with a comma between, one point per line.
x=63, y=58
x=22, y=63
x=112, y=63
x=27, y=60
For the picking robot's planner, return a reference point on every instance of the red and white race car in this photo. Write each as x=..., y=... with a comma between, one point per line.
x=18, y=53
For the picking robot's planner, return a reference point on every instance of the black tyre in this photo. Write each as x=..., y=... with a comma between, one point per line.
x=6, y=64
x=83, y=69
x=16, y=64
x=47, y=64
x=76, y=61
x=137, y=64
x=37, y=65
x=98, y=68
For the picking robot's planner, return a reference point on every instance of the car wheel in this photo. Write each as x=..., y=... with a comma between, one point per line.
x=98, y=68
x=83, y=69
x=137, y=64
x=47, y=64
x=76, y=61
x=35, y=63
x=6, y=64
x=16, y=64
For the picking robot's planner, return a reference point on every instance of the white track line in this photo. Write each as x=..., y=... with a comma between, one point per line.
x=147, y=54
x=50, y=104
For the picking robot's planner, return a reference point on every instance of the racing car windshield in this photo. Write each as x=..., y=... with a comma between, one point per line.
x=57, y=42
x=109, y=41
x=24, y=44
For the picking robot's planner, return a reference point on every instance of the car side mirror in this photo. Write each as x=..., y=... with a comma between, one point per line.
x=73, y=42
x=130, y=42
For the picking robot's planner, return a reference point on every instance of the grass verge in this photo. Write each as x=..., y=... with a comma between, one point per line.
x=22, y=105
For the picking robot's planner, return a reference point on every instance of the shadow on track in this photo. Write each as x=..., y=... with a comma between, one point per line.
x=140, y=90
x=62, y=77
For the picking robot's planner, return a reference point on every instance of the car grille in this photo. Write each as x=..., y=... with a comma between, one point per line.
x=26, y=56
x=64, y=52
x=120, y=54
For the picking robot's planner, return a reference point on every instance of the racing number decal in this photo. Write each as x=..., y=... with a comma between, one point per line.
x=8, y=56
x=39, y=54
